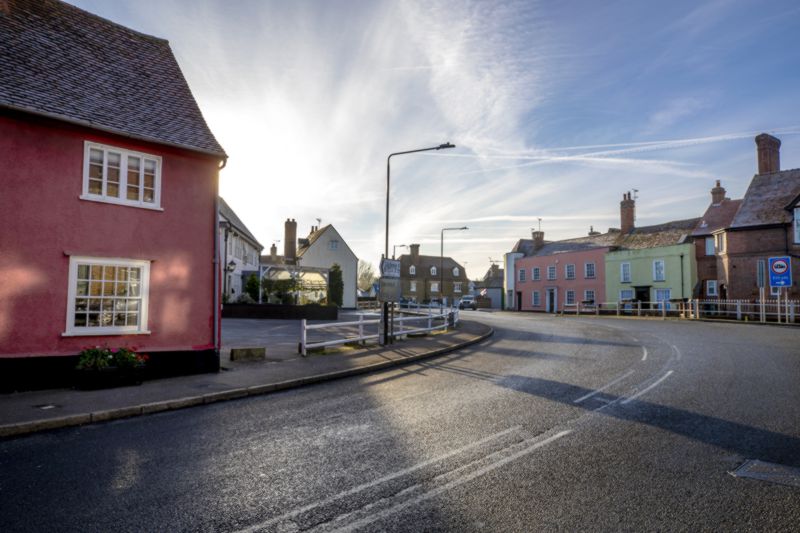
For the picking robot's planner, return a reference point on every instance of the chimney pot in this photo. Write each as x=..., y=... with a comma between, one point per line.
x=538, y=239
x=290, y=241
x=769, y=153
x=717, y=194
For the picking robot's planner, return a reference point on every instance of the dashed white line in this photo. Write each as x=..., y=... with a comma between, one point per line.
x=644, y=353
x=389, y=477
x=654, y=384
x=455, y=483
x=604, y=387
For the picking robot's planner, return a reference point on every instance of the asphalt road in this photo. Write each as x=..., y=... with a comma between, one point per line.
x=552, y=424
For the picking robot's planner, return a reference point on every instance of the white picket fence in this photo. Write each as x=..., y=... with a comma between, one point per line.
x=780, y=311
x=363, y=330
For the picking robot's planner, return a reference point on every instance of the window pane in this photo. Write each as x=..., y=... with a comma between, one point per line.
x=113, y=159
x=122, y=273
x=113, y=190
x=122, y=289
x=149, y=196
x=80, y=320
x=83, y=271
x=94, y=320
x=97, y=272
x=108, y=288
x=132, y=319
x=95, y=288
x=96, y=172
x=95, y=156
x=94, y=304
x=109, y=273
x=149, y=181
x=83, y=288
x=95, y=187
x=106, y=318
x=134, y=273
x=133, y=288
x=81, y=304
x=119, y=319
x=149, y=166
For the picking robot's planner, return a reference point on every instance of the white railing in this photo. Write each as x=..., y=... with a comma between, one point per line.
x=780, y=311
x=430, y=321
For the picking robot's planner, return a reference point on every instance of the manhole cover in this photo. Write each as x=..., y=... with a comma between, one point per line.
x=764, y=471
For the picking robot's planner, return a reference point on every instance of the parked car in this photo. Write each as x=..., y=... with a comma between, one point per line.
x=468, y=302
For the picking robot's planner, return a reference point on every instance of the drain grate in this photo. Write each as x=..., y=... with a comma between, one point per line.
x=772, y=472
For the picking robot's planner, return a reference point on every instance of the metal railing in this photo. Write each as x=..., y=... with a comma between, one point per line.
x=779, y=311
x=360, y=331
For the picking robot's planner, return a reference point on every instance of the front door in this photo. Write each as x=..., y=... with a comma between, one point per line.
x=552, y=301
x=643, y=295
x=519, y=301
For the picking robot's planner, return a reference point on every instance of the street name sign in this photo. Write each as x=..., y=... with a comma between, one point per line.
x=390, y=268
x=780, y=271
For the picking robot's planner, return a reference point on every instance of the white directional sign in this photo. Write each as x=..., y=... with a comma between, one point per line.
x=780, y=271
x=390, y=268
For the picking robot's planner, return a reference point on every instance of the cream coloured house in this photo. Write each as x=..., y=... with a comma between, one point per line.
x=325, y=247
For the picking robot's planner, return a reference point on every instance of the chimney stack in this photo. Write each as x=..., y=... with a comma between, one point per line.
x=627, y=210
x=290, y=241
x=538, y=239
x=273, y=253
x=717, y=194
x=592, y=232
x=414, y=252
x=769, y=153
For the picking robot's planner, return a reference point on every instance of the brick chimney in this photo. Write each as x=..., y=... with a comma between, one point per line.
x=538, y=239
x=592, y=232
x=769, y=153
x=414, y=252
x=290, y=240
x=627, y=210
x=273, y=253
x=717, y=194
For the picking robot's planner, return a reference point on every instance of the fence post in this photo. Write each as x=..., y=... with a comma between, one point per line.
x=638, y=308
x=361, y=329
x=597, y=309
x=663, y=309
x=619, y=304
x=738, y=310
x=697, y=309
x=303, y=337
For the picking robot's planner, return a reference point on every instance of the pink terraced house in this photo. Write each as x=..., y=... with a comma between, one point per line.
x=553, y=275
x=108, y=198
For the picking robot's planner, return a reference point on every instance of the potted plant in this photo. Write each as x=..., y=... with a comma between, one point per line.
x=101, y=367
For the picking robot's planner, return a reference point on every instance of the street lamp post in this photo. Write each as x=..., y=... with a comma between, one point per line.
x=395, y=247
x=441, y=257
x=386, y=243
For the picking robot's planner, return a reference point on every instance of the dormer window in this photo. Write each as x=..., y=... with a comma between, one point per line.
x=433, y=271
x=412, y=270
x=455, y=272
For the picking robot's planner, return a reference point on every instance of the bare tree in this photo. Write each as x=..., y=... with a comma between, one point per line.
x=366, y=275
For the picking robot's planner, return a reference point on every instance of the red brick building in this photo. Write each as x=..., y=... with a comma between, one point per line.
x=766, y=224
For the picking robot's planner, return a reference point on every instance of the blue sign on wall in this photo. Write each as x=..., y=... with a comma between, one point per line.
x=780, y=271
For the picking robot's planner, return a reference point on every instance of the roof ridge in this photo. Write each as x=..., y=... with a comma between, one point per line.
x=109, y=21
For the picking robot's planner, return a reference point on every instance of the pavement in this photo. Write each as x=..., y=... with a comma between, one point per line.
x=28, y=412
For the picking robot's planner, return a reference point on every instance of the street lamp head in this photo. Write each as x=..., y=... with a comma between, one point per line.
x=445, y=145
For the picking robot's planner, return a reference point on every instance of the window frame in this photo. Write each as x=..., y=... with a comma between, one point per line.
x=586, y=295
x=433, y=270
x=663, y=270
x=412, y=286
x=567, y=268
x=622, y=297
x=536, y=274
x=456, y=272
x=711, y=246
x=412, y=270
x=434, y=286
x=625, y=272
x=123, y=177
x=457, y=286
x=797, y=225
x=536, y=299
x=569, y=297
x=333, y=244
x=712, y=283
x=586, y=274
x=719, y=239
x=521, y=275
x=144, y=297
x=552, y=273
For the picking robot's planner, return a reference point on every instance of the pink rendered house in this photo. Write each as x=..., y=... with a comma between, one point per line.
x=108, y=213
x=562, y=273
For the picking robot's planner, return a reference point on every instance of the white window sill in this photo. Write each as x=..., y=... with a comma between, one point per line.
x=103, y=333
x=119, y=202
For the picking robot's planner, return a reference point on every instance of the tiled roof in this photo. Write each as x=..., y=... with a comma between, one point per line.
x=427, y=261
x=667, y=234
x=60, y=61
x=766, y=199
x=312, y=238
x=717, y=216
x=229, y=215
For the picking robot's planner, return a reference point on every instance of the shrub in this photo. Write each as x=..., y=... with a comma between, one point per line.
x=98, y=357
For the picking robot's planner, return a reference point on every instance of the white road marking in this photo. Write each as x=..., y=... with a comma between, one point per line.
x=657, y=382
x=604, y=387
x=455, y=483
x=388, y=477
x=677, y=351
x=644, y=353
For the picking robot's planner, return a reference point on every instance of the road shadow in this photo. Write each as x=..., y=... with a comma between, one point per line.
x=747, y=441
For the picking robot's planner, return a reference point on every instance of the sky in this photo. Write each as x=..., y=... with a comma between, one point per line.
x=556, y=109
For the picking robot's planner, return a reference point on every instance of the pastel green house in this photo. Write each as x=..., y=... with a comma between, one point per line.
x=653, y=264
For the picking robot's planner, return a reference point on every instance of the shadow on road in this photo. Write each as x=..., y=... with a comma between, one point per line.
x=747, y=441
